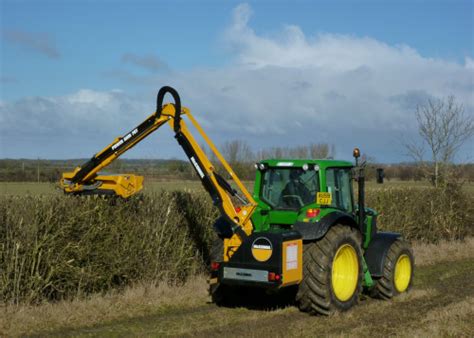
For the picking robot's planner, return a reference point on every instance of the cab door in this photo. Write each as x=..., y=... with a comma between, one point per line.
x=339, y=184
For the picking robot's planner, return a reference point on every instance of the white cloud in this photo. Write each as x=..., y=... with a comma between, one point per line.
x=289, y=88
x=342, y=89
x=469, y=63
x=75, y=125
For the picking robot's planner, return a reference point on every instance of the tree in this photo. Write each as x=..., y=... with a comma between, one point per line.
x=240, y=157
x=311, y=151
x=236, y=152
x=321, y=150
x=444, y=128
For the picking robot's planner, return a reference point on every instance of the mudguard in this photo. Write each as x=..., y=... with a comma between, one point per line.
x=377, y=251
x=316, y=230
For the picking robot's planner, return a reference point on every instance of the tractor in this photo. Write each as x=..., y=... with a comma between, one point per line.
x=301, y=229
x=312, y=233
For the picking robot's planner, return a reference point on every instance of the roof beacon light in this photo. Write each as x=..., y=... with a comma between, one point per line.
x=356, y=153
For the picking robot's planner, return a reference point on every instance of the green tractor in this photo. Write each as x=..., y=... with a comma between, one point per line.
x=301, y=229
x=311, y=233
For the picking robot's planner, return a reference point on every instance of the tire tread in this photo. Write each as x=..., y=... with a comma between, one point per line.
x=384, y=288
x=314, y=292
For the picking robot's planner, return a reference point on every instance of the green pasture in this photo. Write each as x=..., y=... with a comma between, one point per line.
x=46, y=188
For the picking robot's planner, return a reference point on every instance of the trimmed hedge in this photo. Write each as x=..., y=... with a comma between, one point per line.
x=57, y=247
x=425, y=214
x=64, y=247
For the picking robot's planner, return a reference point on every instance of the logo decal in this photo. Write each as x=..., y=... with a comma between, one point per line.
x=262, y=249
x=196, y=165
x=125, y=139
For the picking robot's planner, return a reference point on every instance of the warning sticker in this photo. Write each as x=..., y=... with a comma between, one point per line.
x=292, y=256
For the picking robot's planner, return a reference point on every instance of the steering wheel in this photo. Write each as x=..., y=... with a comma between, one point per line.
x=294, y=198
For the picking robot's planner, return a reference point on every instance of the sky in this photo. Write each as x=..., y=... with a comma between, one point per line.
x=76, y=74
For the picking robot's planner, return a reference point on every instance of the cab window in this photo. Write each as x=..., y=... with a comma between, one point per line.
x=290, y=189
x=339, y=184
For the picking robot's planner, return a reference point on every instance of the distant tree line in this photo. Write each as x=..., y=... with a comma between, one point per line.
x=237, y=153
x=242, y=159
x=27, y=170
x=416, y=172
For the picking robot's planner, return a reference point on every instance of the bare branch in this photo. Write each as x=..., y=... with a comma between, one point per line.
x=443, y=128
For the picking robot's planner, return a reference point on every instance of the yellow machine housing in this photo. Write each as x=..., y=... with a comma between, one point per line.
x=123, y=185
x=292, y=262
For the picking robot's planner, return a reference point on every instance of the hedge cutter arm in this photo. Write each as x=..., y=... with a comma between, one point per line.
x=236, y=208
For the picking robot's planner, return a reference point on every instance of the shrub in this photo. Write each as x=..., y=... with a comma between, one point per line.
x=426, y=214
x=63, y=247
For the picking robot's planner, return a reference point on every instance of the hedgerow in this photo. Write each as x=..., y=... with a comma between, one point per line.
x=60, y=247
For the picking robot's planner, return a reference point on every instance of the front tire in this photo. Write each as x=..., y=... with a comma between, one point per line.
x=332, y=272
x=398, y=271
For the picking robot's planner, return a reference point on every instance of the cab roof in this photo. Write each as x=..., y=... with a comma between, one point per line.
x=289, y=163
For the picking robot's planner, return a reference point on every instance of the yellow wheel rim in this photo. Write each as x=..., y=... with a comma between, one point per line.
x=345, y=272
x=402, y=273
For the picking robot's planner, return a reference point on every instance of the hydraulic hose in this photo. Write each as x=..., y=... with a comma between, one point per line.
x=177, y=104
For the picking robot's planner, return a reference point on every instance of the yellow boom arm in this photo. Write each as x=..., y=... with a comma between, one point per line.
x=236, y=209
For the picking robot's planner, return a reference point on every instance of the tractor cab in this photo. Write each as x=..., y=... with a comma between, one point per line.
x=291, y=191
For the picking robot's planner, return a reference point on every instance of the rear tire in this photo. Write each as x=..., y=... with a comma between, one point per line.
x=398, y=271
x=332, y=272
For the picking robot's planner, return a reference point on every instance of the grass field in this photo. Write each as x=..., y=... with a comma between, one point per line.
x=441, y=303
x=34, y=188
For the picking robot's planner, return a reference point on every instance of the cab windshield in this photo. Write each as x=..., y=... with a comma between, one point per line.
x=289, y=188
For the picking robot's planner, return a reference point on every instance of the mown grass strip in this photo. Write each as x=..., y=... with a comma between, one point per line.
x=437, y=287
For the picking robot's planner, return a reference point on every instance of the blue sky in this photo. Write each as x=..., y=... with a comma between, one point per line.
x=75, y=74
